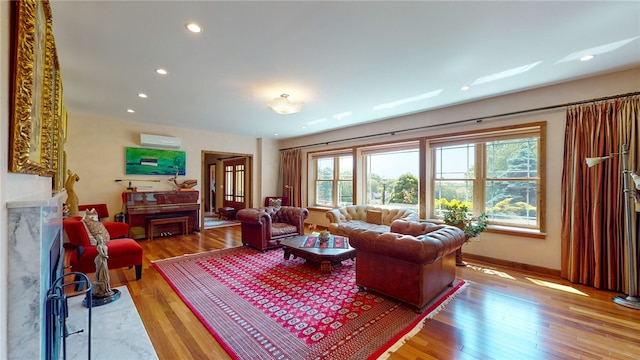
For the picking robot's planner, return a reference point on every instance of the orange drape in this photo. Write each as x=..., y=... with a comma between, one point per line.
x=291, y=175
x=593, y=208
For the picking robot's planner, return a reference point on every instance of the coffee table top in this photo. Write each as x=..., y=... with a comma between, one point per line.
x=296, y=243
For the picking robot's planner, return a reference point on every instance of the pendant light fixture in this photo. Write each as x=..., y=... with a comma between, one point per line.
x=282, y=105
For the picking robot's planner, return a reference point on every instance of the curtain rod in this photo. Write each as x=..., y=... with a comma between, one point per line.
x=477, y=119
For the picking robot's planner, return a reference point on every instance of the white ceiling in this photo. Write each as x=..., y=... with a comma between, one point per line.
x=338, y=57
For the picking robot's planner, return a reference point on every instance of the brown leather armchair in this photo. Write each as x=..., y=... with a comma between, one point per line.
x=263, y=228
x=412, y=268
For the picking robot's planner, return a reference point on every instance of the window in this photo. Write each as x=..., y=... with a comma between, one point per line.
x=494, y=172
x=333, y=180
x=391, y=175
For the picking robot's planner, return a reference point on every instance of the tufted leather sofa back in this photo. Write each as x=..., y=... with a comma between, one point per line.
x=359, y=213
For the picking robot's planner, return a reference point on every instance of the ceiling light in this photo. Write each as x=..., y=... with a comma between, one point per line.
x=283, y=106
x=130, y=111
x=587, y=58
x=194, y=28
x=465, y=88
x=142, y=95
x=597, y=50
x=161, y=71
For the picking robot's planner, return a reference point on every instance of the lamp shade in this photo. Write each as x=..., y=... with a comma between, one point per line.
x=636, y=179
x=282, y=105
x=596, y=160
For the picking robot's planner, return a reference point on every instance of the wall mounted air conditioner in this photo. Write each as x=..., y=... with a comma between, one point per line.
x=160, y=141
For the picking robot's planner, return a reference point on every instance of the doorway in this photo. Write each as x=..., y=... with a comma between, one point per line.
x=225, y=189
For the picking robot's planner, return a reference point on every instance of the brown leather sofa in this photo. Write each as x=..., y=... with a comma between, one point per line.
x=413, y=263
x=263, y=228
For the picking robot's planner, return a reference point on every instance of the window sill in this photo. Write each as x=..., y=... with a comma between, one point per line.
x=505, y=230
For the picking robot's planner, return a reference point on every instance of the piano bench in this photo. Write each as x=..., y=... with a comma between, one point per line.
x=182, y=220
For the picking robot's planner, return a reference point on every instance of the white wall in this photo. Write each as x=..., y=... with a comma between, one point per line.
x=95, y=150
x=538, y=252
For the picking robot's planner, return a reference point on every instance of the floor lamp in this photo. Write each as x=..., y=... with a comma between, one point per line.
x=631, y=300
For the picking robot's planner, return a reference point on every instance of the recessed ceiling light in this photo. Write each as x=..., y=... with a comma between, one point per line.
x=161, y=71
x=465, y=88
x=275, y=134
x=130, y=111
x=142, y=95
x=597, y=50
x=587, y=58
x=194, y=28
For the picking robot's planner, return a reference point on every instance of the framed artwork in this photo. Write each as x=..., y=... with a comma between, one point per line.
x=34, y=79
x=57, y=143
x=142, y=161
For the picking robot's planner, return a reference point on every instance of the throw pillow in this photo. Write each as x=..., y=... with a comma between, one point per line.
x=96, y=231
x=374, y=217
x=275, y=202
x=92, y=214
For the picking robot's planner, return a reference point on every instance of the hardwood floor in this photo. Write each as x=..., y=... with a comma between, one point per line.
x=502, y=314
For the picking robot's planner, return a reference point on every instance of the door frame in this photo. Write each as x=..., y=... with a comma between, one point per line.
x=213, y=157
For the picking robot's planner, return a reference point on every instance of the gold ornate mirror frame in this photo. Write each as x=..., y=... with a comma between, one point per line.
x=35, y=130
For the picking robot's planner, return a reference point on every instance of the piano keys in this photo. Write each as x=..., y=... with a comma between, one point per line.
x=146, y=205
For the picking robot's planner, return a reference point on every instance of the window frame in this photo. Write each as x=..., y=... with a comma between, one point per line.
x=479, y=139
x=336, y=180
x=405, y=145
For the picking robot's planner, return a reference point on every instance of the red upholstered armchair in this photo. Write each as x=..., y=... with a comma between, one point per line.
x=123, y=251
x=263, y=228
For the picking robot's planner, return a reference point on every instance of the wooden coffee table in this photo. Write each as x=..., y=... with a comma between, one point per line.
x=324, y=258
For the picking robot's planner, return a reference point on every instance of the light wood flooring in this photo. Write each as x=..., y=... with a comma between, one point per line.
x=503, y=314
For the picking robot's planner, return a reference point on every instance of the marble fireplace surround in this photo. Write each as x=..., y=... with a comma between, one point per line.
x=33, y=226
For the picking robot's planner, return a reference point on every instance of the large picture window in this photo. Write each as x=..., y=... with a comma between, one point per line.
x=495, y=172
x=392, y=175
x=333, y=180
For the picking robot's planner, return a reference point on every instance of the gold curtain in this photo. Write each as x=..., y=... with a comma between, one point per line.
x=291, y=175
x=593, y=207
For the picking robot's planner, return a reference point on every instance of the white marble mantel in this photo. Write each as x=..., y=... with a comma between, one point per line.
x=33, y=225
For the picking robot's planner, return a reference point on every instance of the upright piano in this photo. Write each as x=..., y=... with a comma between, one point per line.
x=146, y=205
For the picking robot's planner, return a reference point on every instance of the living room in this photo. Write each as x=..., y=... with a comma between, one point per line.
x=95, y=150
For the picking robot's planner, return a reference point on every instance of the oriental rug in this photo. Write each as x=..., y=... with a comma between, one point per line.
x=260, y=306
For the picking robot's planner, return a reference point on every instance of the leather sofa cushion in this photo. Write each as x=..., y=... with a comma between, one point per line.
x=348, y=226
x=281, y=229
x=423, y=249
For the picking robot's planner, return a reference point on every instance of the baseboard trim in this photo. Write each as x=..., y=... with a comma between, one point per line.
x=510, y=264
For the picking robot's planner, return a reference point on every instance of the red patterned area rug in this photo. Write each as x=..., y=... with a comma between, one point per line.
x=260, y=306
